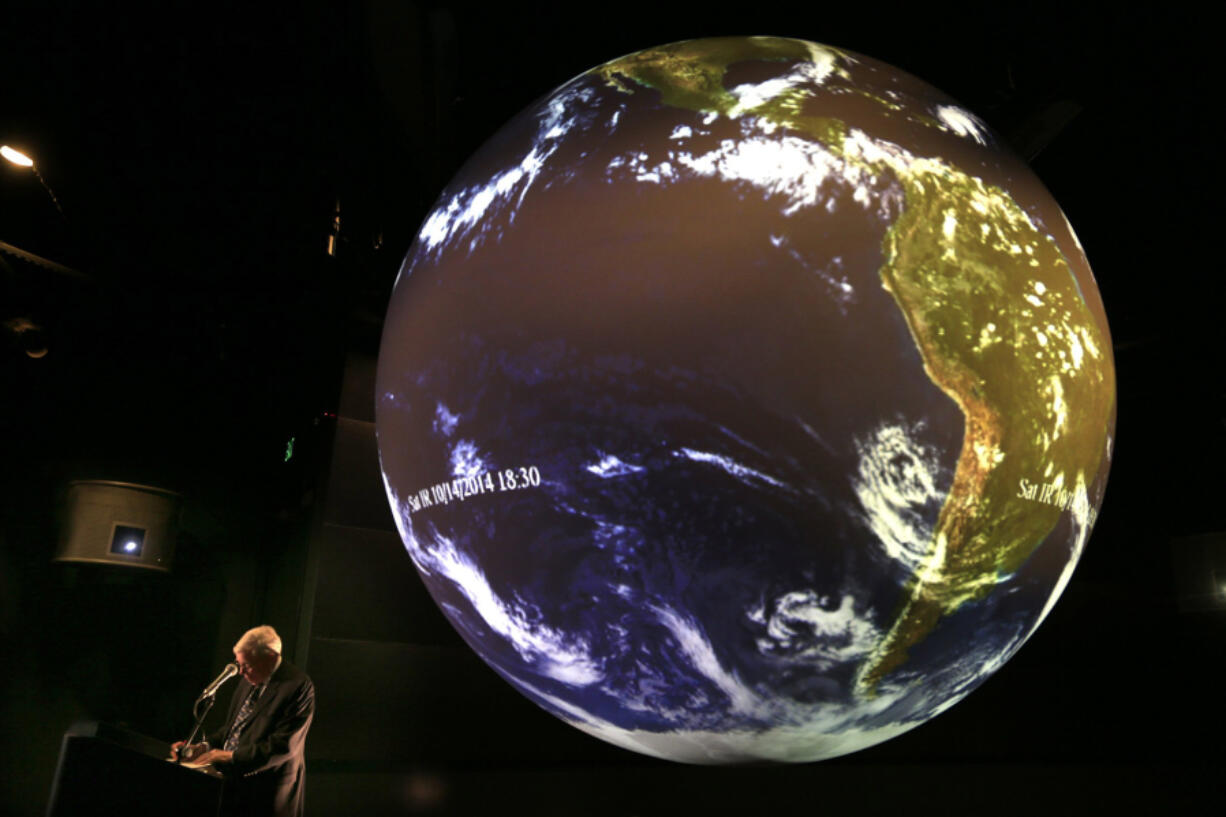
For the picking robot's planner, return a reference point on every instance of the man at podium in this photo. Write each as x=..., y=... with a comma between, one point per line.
x=259, y=748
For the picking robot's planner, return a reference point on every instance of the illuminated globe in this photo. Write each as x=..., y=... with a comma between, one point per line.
x=745, y=399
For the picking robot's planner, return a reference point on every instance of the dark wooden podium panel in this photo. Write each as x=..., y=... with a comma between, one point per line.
x=108, y=770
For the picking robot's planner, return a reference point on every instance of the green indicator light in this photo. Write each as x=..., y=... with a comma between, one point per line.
x=289, y=449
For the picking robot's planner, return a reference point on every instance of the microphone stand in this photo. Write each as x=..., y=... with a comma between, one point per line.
x=209, y=700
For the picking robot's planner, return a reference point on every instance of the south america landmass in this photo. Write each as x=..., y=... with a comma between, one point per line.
x=992, y=305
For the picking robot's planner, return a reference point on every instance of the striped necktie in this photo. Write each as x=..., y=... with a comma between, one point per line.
x=244, y=715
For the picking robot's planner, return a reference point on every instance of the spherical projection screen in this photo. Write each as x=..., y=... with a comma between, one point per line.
x=745, y=399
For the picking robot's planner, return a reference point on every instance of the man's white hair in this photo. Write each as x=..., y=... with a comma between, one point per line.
x=262, y=640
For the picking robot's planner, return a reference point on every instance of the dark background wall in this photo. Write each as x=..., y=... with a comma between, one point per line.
x=199, y=158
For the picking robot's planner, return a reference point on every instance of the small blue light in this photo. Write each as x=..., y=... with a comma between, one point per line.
x=130, y=546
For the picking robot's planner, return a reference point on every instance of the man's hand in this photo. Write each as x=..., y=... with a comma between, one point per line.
x=188, y=752
x=214, y=757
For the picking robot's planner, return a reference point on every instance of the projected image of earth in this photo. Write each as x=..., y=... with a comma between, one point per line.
x=745, y=399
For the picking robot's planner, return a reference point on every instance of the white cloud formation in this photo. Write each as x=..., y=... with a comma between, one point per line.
x=610, y=466
x=896, y=483
x=963, y=122
x=730, y=466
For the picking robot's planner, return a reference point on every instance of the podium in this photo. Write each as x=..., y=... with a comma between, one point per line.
x=109, y=770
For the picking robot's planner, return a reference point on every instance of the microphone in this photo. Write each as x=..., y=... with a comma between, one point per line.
x=226, y=674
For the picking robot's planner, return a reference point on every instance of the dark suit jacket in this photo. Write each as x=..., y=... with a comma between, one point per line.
x=267, y=776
